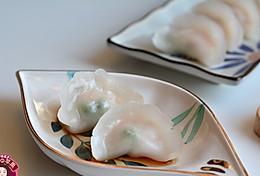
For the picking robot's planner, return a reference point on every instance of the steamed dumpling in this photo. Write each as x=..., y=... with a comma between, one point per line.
x=248, y=14
x=225, y=16
x=195, y=36
x=137, y=130
x=87, y=96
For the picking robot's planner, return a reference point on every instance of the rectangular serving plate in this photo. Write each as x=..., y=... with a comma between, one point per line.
x=135, y=40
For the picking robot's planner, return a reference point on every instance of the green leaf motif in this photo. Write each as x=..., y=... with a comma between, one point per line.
x=132, y=163
x=56, y=126
x=67, y=141
x=196, y=126
x=186, y=127
x=178, y=119
x=83, y=152
x=70, y=74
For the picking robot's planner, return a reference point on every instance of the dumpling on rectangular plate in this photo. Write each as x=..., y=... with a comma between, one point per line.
x=137, y=130
x=224, y=15
x=87, y=96
x=194, y=36
x=248, y=14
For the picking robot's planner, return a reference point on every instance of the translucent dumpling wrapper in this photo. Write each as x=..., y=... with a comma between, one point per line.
x=248, y=14
x=136, y=130
x=224, y=15
x=195, y=36
x=87, y=96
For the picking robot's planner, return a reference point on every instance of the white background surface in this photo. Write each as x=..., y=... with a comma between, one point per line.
x=72, y=35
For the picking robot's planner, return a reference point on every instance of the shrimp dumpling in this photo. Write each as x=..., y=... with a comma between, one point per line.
x=195, y=36
x=248, y=14
x=137, y=130
x=87, y=96
x=227, y=19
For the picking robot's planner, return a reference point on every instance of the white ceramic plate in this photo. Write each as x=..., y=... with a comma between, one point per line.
x=136, y=40
x=206, y=150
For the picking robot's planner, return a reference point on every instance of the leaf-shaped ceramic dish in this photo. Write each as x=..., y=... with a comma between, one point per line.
x=206, y=150
x=136, y=40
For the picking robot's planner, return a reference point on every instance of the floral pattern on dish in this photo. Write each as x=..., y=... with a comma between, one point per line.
x=242, y=59
x=194, y=114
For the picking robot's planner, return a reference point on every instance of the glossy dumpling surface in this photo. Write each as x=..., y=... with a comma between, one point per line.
x=248, y=14
x=195, y=36
x=87, y=96
x=225, y=16
x=138, y=130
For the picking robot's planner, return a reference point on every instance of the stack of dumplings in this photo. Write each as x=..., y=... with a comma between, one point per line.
x=212, y=28
x=122, y=124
